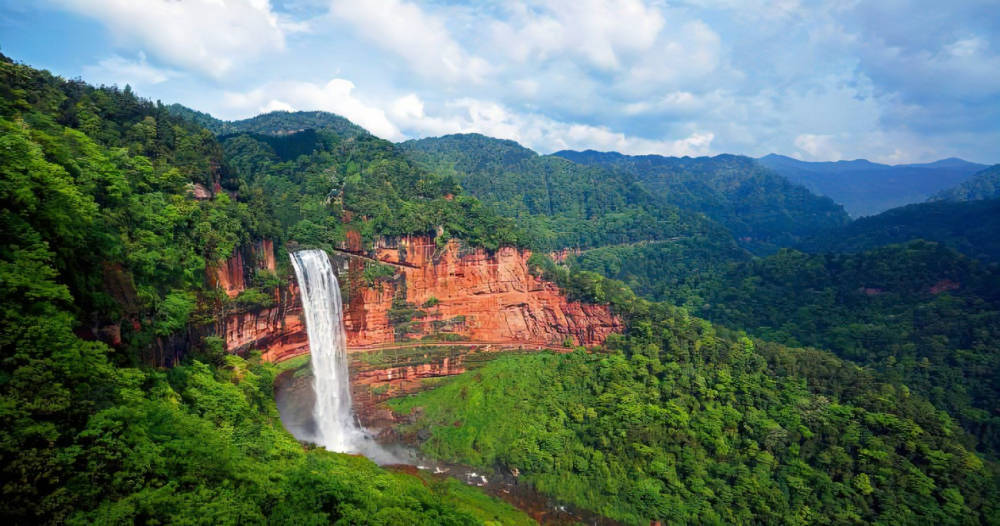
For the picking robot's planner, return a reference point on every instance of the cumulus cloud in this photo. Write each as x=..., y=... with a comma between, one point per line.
x=120, y=70
x=208, y=36
x=903, y=80
x=818, y=147
x=533, y=130
x=419, y=38
x=598, y=31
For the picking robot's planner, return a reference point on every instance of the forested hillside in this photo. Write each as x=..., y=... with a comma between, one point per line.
x=561, y=203
x=272, y=123
x=682, y=422
x=114, y=210
x=103, y=231
x=763, y=210
x=969, y=227
x=982, y=185
x=921, y=314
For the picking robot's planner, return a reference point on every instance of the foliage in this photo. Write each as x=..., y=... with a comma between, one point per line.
x=920, y=314
x=674, y=271
x=309, y=182
x=683, y=423
x=272, y=123
x=762, y=209
x=969, y=227
x=98, y=230
x=560, y=203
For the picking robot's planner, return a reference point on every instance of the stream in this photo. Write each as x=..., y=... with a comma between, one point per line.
x=295, y=397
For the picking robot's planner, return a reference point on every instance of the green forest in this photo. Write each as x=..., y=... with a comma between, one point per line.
x=761, y=378
x=100, y=226
x=561, y=204
x=761, y=209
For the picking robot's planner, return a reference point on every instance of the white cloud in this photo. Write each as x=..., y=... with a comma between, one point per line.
x=901, y=81
x=208, y=36
x=119, y=70
x=336, y=96
x=421, y=39
x=535, y=131
x=818, y=147
x=599, y=31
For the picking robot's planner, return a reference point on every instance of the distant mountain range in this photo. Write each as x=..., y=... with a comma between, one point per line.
x=866, y=188
x=761, y=208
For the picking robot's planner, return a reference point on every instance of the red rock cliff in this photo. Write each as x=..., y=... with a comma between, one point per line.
x=468, y=293
x=472, y=293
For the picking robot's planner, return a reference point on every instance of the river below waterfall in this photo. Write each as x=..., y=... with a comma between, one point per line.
x=295, y=397
x=316, y=404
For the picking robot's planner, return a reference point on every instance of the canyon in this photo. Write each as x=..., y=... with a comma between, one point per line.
x=426, y=292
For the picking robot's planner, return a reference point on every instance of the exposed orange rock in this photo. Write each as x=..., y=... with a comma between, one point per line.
x=372, y=385
x=263, y=253
x=477, y=295
x=560, y=256
x=482, y=296
x=277, y=331
x=228, y=275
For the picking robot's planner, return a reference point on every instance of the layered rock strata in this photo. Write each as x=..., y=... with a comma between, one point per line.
x=444, y=292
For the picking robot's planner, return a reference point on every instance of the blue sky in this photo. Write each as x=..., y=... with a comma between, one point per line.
x=889, y=80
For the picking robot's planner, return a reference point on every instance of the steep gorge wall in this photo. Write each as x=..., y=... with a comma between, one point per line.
x=443, y=292
x=481, y=296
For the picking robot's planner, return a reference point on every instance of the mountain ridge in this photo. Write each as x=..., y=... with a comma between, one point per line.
x=762, y=209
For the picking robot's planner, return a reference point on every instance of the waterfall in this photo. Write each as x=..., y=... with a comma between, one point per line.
x=336, y=429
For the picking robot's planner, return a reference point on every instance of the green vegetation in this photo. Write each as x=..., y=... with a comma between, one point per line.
x=560, y=203
x=100, y=230
x=674, y=271
x=762, y=209
x=683, y=423
x=114, y=210
x=273, y=123
x=920, y=314
x=307, y=183
x=969, y=227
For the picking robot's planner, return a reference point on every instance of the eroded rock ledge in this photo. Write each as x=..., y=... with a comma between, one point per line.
x=448, y=292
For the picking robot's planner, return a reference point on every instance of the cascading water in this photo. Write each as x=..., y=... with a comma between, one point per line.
x=336, y=428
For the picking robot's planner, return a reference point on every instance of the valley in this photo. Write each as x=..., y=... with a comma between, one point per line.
x=287, y=319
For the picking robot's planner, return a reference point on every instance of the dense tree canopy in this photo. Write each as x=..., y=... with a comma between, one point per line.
x=561, y=203
x=680, y=422
x=919, y=313
x=762, y=209
x=969, y=227
x=100, y=227
x=114, y=209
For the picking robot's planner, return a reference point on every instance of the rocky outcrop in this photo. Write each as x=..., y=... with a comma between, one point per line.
x=447, y=292
x=279, y=332
x=481, y=296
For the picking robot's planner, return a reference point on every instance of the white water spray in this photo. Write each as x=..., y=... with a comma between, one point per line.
x=336, y=429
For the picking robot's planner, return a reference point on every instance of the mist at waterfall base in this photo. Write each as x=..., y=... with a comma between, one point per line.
x=333, y=424
x=315, y=403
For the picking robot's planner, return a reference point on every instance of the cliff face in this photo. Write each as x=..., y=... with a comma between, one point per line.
x=473, y=294
x=446, y=293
